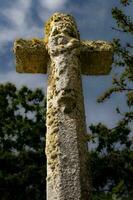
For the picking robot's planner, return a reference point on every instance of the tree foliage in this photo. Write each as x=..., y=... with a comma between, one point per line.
x=112, y=158
x=22, y=132
x=112, y=162
x=123, y=59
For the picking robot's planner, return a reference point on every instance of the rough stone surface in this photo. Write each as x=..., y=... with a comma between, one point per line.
x=66, y=149
x=64, y=57
x=96, y=57
x=31, y=56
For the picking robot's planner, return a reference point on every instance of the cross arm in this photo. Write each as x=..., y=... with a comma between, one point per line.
x=31, y=56
x=96, y=57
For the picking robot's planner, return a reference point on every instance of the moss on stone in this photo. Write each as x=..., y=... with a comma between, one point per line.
x=31, y=56
x=96, y=57
x=66, y=21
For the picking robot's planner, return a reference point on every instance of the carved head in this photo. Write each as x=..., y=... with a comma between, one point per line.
x=61, y=23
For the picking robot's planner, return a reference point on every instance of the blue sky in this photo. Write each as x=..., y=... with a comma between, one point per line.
x=25, y=19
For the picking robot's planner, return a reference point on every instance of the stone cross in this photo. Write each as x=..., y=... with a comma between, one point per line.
x=64, y=57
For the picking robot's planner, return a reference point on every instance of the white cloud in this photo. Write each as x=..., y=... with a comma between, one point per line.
x=53, y=4
x=8, y=35
x=17, y=12
x=16, y=16
x=48, y=7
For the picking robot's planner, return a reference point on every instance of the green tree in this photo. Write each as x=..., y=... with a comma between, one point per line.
x=123, y=59
x=112, y=162
x=22, y=137
x=112, y=158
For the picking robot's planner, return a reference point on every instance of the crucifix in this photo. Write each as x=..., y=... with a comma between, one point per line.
x=64, y=57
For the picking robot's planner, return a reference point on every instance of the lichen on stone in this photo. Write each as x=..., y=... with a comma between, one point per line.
x=96, y=57
x=31, y=56
x=97, y=45
x=62, y=23
x=64, y=57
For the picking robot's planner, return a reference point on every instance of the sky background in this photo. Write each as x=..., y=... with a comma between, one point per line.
x=26, y=18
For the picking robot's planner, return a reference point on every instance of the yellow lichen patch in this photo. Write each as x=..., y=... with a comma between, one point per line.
x=65, y=22
x=36, y=41
x=31, y=56
x=50, y=121
x=52, y=78
x=52, y=142
x=52, y=150
x=98, y=45
x=96, y=57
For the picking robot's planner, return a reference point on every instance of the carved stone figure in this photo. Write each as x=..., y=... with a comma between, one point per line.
x=64, y=57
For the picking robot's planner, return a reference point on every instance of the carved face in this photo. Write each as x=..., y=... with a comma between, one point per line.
x=61, y=23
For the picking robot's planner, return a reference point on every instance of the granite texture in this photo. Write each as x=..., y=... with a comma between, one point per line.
x=64, y=57
x=66, y=148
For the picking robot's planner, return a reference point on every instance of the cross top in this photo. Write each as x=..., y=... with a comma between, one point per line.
x=32, y=55
x=64, y=57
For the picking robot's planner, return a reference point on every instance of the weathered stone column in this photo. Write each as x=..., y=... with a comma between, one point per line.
x=64, y=57
x=67, y=174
